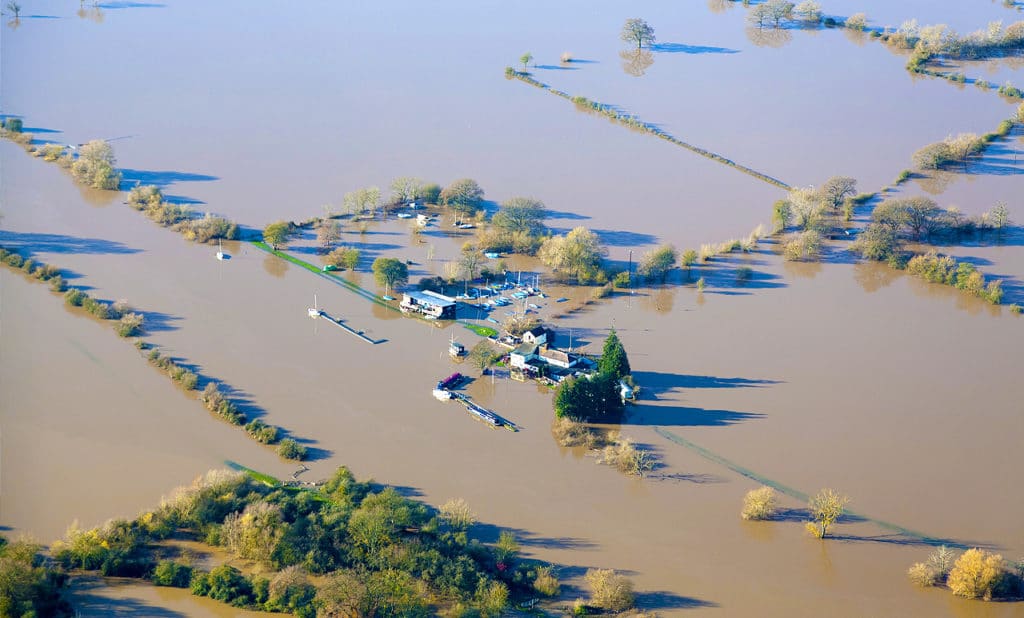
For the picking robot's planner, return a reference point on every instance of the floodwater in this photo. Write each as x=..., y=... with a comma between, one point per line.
x=902, y=394
x=964, y=17
x=95, y=596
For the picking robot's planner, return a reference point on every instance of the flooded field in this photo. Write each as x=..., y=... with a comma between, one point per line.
x=900, y=393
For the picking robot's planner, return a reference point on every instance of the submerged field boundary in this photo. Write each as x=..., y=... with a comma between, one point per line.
x=483, y=331
x=796, y=493
x=634, y=122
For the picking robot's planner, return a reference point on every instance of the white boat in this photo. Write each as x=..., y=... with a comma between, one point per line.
x=314, y=311
x=220, y=251
x=441, y=394
x=404, y=215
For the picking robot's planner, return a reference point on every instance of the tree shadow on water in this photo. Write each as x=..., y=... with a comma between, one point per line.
x=488, y=533
x=680, y=416
x=125, y=4
x=60, y=243
x=130, y=177
x=665, y=600
x=659, y=382
x=680, y=48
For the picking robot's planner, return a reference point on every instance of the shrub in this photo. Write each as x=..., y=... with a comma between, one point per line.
x=609, y=590
x=130, y=325
x=1016, y=309
x=568, y=432
x=922, y=575
x=14, y=260
x=57, y=284
x=621, y=280
x=457, y=513
x=624, y=456
x=805, y=246
x=14, y=125
x=170, y=573
x=601, y=291
x=759, y=504
x=290, y=449
x=228, y=585
x=187, y=379
x=977, y=574
x=877, y=242
x=208, y=228
x=343, y=257
x=143, y=196
x=261, y=432
x=857, y=21
x=545, y=582
x=743, y=275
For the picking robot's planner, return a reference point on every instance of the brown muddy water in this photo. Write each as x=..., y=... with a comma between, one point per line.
x=902, y=394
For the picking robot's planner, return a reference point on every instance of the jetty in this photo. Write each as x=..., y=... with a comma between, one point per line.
x=444, y=391
x=345, y=327
x=316, y=312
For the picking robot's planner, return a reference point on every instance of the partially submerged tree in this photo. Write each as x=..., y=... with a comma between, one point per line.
x=276, y=234
x=637, y=31
x=836, y=189
x=826, y=507
x=362, y=201
x=579, y=253
x=94, y=166
x=609, y=590
x=526, y=59
x=977, y=574
x=464, y=196
x=390, y=272
x=405, y=189
x=328, y=232
x=759, y=504
x=482, y=355
x=521, y=214
x=656, y=263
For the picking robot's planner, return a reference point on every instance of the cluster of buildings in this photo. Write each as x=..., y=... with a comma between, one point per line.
x=534, y=356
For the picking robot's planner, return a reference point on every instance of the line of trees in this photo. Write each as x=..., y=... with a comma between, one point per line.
x=149, y=200
x=126, y=322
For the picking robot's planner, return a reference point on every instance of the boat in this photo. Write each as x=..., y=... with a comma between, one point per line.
x=386, y=297
x=456, y=349
x=220, y=251
x=561, y=300
x=450, y=382
x=491, y=255
x=442, y=394
x=404, y=215
x=314, y=311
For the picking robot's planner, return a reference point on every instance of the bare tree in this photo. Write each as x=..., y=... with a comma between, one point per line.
x=637, y=31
